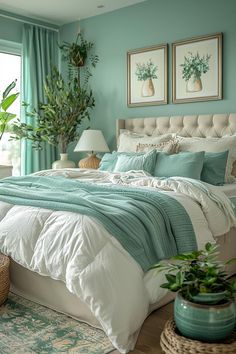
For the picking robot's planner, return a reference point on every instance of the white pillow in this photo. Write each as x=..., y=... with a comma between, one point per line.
x=213, y=145
x=128, y=141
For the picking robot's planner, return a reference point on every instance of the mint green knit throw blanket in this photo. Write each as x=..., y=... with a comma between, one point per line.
x=149, y=224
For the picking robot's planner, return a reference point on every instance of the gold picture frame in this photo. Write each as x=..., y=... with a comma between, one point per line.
x=197, y=69
x=147, y=76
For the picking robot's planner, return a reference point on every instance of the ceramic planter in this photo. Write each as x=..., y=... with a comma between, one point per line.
x=209, y=323
x=194, y=84
x=63, y=162
x=148, y=88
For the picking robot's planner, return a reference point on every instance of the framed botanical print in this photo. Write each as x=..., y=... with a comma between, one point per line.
x=147, y=76
x=197, y=69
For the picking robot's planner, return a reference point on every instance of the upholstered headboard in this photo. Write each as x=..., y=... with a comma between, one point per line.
x=201, y=125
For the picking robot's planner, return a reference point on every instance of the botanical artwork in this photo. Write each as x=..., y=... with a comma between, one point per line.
x=147, y=74
x=197, y=69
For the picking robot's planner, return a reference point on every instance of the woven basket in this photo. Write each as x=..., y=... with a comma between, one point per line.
x=4, y=278
x=173, y=343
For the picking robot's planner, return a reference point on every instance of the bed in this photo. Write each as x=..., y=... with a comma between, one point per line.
x=53, y=293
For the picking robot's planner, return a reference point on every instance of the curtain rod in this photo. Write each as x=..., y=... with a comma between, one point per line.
x=29, y=22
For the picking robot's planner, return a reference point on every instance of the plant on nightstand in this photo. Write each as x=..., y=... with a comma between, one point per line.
x=67, y=103
x=204, y=307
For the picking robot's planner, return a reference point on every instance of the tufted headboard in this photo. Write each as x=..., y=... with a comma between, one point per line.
x=201, y=125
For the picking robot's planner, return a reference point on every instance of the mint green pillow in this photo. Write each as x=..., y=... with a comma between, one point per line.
x=214, y=167
x=108, y=162
x=183, y=164
x=145, y=162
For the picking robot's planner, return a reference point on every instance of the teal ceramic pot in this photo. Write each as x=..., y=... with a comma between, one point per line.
x=209, y=298
x=209, y=323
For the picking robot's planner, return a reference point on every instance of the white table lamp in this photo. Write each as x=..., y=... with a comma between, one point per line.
x=91, y=141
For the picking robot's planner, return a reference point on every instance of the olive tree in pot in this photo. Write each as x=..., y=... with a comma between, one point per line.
x=204, y=307
x=8, y=98
x=67, y=104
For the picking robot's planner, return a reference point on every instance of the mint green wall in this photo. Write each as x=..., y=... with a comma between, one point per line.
x=10, y=30
x=149, y=23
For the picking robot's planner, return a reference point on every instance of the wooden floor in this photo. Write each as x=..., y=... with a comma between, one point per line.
x=149, y=337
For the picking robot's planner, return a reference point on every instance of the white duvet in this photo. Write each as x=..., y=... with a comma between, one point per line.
x=79, y=251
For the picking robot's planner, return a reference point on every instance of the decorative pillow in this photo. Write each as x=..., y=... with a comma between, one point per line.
x=128, y=141
x=170, y=147
x=145, y=162
x=213, y=145
x=214, y=167
x=184, y=164
x=108, y=162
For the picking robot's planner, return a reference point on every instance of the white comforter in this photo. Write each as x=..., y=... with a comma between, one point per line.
x=78, y=250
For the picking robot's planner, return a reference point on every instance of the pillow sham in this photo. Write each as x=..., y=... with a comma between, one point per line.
x=214, y=167
x=213, y=145
x=145, y=162
x=128, y=141
x=184, y=164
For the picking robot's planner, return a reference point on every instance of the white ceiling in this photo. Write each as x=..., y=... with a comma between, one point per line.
x=60, y=12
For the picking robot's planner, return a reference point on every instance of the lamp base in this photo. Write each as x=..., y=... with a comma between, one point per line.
x=92, y=161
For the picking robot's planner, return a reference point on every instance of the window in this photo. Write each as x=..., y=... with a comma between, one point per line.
x=10, y=69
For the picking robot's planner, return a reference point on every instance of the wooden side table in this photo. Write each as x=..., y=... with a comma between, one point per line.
x=172, y=342
x=4, y=278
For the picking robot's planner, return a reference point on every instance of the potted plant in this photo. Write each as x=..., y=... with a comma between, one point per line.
x=76, y=54
x=67, y=104
x=193, y=67
x=204, y=307
x=8, y=98
x=146, y=72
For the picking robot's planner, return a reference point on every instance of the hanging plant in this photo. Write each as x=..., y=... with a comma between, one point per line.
x=76, y=54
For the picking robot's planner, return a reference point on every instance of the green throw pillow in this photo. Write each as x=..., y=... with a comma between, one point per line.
x=184, y=164
x=214, y=167
x=145, y=162
x=108, y=162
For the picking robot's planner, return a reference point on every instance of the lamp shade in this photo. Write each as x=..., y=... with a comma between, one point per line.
x=92, y=140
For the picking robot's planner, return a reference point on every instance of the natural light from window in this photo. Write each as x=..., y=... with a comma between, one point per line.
x=10, y=69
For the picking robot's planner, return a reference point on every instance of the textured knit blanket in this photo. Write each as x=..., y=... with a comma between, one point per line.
x=150, y=225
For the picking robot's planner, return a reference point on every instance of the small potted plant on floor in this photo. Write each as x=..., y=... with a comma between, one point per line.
x=8, y=98
x=146, y=72
x=204, y=307
x=193, y=67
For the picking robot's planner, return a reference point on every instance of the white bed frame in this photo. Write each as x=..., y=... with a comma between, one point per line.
x=53, y=293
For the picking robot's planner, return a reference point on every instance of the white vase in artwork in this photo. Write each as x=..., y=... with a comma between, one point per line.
x=194, y=84
x=5, y=171
x=63, y=162
x=148, y=89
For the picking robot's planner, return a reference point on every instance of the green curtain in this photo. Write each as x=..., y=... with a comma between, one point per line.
x=39, y=52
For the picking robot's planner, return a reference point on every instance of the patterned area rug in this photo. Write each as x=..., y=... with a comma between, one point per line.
x=28, y=328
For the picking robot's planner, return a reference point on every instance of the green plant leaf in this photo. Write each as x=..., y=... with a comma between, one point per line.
x=8, y=101
x=171, y=278
x=8, y=89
